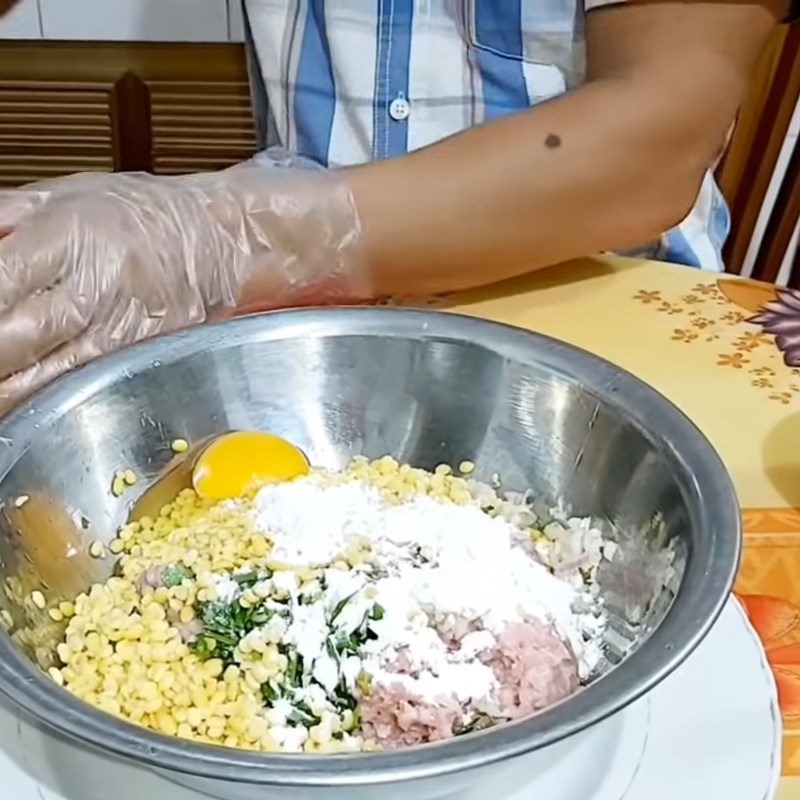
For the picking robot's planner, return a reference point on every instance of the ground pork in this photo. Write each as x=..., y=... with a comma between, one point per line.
x=534, y=668
x=393, y=717
x=189, y=631
x=152, y=578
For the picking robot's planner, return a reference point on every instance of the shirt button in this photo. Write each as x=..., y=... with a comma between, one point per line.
x=399, y=109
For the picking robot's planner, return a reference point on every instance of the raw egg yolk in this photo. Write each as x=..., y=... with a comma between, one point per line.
x=236, y=462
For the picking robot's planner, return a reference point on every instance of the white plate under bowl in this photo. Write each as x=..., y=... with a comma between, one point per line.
x=712, y=730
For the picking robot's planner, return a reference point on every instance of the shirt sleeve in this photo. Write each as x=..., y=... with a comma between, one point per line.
x=793, y=15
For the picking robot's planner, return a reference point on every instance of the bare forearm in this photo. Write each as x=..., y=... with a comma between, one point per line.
x=576, y=176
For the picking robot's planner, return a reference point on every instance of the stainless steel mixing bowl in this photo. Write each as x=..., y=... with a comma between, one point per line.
x=426, y=388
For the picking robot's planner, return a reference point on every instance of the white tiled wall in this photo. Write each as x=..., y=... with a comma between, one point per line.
x=235, y=21
x=22, y=22
x=137, y=20
x=125, y=20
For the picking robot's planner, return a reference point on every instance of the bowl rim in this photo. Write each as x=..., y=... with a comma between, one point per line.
x=707, y=581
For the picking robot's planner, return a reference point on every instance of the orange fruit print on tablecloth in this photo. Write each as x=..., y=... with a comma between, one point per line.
x=777, y=623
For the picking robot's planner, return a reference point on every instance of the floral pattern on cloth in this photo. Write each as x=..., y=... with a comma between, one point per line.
x=781, y=318
x=715, y=313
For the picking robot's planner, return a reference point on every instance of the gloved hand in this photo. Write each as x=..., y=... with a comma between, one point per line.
x=93, y=262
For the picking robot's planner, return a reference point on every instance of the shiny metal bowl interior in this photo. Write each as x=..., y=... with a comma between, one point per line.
x=424, y=387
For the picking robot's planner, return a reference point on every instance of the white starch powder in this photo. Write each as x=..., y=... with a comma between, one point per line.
x=430, y=563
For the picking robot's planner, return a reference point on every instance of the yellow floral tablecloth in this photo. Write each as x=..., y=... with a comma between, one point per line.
x=707, y=344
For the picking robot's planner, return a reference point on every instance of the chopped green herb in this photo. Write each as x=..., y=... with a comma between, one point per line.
x=303, y=715
x=342, y=697
x=247, y=579
x=331, y=648
x=176, y=574
x=204, y=647
x=340, y=607
x=271, y=692
x=350, y=645
x=261, y=616
x=226, y=624
x=294, y=671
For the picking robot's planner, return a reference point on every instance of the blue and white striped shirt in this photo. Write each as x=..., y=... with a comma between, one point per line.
x=348, y=81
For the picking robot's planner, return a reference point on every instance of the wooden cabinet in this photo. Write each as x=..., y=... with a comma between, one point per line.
x=165, y=108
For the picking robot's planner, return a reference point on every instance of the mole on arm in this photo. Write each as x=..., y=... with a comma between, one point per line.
x=552, y=141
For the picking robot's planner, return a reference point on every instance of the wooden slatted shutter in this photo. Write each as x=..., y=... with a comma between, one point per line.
x=49, y=128
x=165, y=108
x=200, y=125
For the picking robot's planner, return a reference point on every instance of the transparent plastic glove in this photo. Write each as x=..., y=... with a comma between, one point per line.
x=92, y=262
